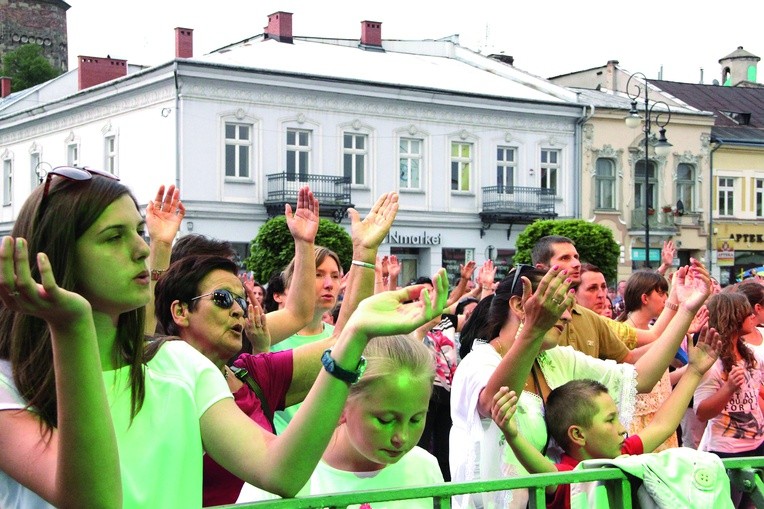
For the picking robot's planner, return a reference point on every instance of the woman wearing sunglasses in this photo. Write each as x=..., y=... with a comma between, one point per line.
x=79, y=313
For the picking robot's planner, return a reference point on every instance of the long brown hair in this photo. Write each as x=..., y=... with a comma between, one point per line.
x=70, y=208
x=641, y=282
x=726, y=313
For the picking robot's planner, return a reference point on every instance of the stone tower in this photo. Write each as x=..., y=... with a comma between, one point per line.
x=41, y=22
x=739, y=66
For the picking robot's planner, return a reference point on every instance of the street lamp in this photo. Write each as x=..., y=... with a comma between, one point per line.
x=661, y=147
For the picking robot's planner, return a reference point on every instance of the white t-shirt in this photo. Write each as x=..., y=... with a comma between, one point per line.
x=12, y=494
x=740, y=426
x=417, y=468
x=160, y=452
x=478, y=450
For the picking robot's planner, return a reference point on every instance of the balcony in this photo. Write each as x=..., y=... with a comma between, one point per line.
x=657, y=219
x=516, y=205
x=333, y=193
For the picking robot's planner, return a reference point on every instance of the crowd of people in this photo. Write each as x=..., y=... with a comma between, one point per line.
x=158, y=374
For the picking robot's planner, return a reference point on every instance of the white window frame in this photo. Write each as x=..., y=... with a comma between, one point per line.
x=601, y=181
x=7, y=181
x=506, y=167
x=758, y=187
x=550, y=172
x=237, y=143
x=110, y=154
x=355, y=154
x=73, y=154
x=461, y=164
x=412, y=159
x=35, y=160
x=684, y=187
x=641, y=200
x=298, y=153
x=725, y=192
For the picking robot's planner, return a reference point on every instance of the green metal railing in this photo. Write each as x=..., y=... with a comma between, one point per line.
x=745, y=473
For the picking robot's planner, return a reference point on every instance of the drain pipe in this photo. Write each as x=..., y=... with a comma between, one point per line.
x=178, y=150
x=710, y=243
x=579, y=158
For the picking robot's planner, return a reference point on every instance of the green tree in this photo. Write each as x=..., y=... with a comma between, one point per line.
x=594, y=242
x=273, y=247
x=27, y=67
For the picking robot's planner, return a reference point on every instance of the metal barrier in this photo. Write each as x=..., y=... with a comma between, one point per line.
x=745, y=473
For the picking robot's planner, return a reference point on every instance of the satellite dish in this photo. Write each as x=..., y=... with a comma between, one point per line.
x=716, y=82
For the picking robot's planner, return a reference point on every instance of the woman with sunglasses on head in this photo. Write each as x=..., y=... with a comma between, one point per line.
x=522, y=354
x=165, y=403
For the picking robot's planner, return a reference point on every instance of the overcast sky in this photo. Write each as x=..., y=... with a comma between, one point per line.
x=546, y=37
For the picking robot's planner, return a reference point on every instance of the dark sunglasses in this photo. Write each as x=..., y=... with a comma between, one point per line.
x=519, y=268
x=69, y=173
x=225, y=299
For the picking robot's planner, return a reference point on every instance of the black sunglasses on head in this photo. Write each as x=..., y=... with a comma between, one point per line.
x=518, y=273
x=69, y=173
x=225, y=299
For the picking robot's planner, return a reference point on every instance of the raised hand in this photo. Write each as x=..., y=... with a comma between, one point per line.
x=553, y=296
x=668, y=252
x=692, y=285
x=400, y=311
x=466, y=270
x=164, y=215
x=701, y=319
x=703, y=355
x=503, y=411
x=255, y=326
x=303, y=223
x=46, y=300
x=487, y=274
x=369, y=233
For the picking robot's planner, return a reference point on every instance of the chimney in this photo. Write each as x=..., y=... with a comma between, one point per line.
x=5, y=87
x=279, y=27
x=184, y=42
x=611, y=79
x=371, y=34
x=95, y=70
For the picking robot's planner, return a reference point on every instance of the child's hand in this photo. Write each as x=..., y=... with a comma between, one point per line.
x=703, y=355
x=400, y=311
x=502, y=411
x=736, y=378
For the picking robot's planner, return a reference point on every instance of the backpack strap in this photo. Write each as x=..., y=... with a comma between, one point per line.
x=243, y=375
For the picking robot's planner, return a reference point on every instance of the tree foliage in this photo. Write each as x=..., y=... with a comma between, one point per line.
x=594, y=243
x=273, y=247
x=27, y=67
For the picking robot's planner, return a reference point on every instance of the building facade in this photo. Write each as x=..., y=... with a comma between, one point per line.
x=475, y=147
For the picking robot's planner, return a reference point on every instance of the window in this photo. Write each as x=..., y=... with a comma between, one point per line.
x=461, y=166
x=73, y=154
x=604, y=184
x=550, y=164
x=7, y=181
x=110, y=154
x=354, y=153
x=506, y=164
x=238, y=147
x=685, y=186
x=759, y=187
x=298, y=154
x=410, y=162
x=34, y=169
x=726, y=196
x=645, y=193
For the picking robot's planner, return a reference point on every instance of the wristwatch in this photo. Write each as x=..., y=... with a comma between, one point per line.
x=343, y=374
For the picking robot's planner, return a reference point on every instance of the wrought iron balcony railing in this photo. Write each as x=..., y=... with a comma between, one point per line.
x=516, y=205
x=333, y=192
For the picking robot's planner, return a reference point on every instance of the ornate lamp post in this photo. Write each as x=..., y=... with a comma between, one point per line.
x=661, y=147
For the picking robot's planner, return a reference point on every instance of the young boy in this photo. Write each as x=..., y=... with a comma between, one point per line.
x=583, y=418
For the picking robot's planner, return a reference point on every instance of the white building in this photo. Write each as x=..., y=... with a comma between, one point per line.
x=475, y=147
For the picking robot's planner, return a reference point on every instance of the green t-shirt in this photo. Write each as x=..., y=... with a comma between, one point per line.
x=282, y=417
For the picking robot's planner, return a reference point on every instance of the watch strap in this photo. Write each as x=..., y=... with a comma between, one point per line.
x=341, y=373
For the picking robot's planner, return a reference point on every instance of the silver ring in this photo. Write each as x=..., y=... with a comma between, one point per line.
x=558, y=302
x=14, y=294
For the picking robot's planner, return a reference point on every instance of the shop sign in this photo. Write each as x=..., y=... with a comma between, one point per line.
x=725, y=252
x=425, y=239
x=638, y=254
